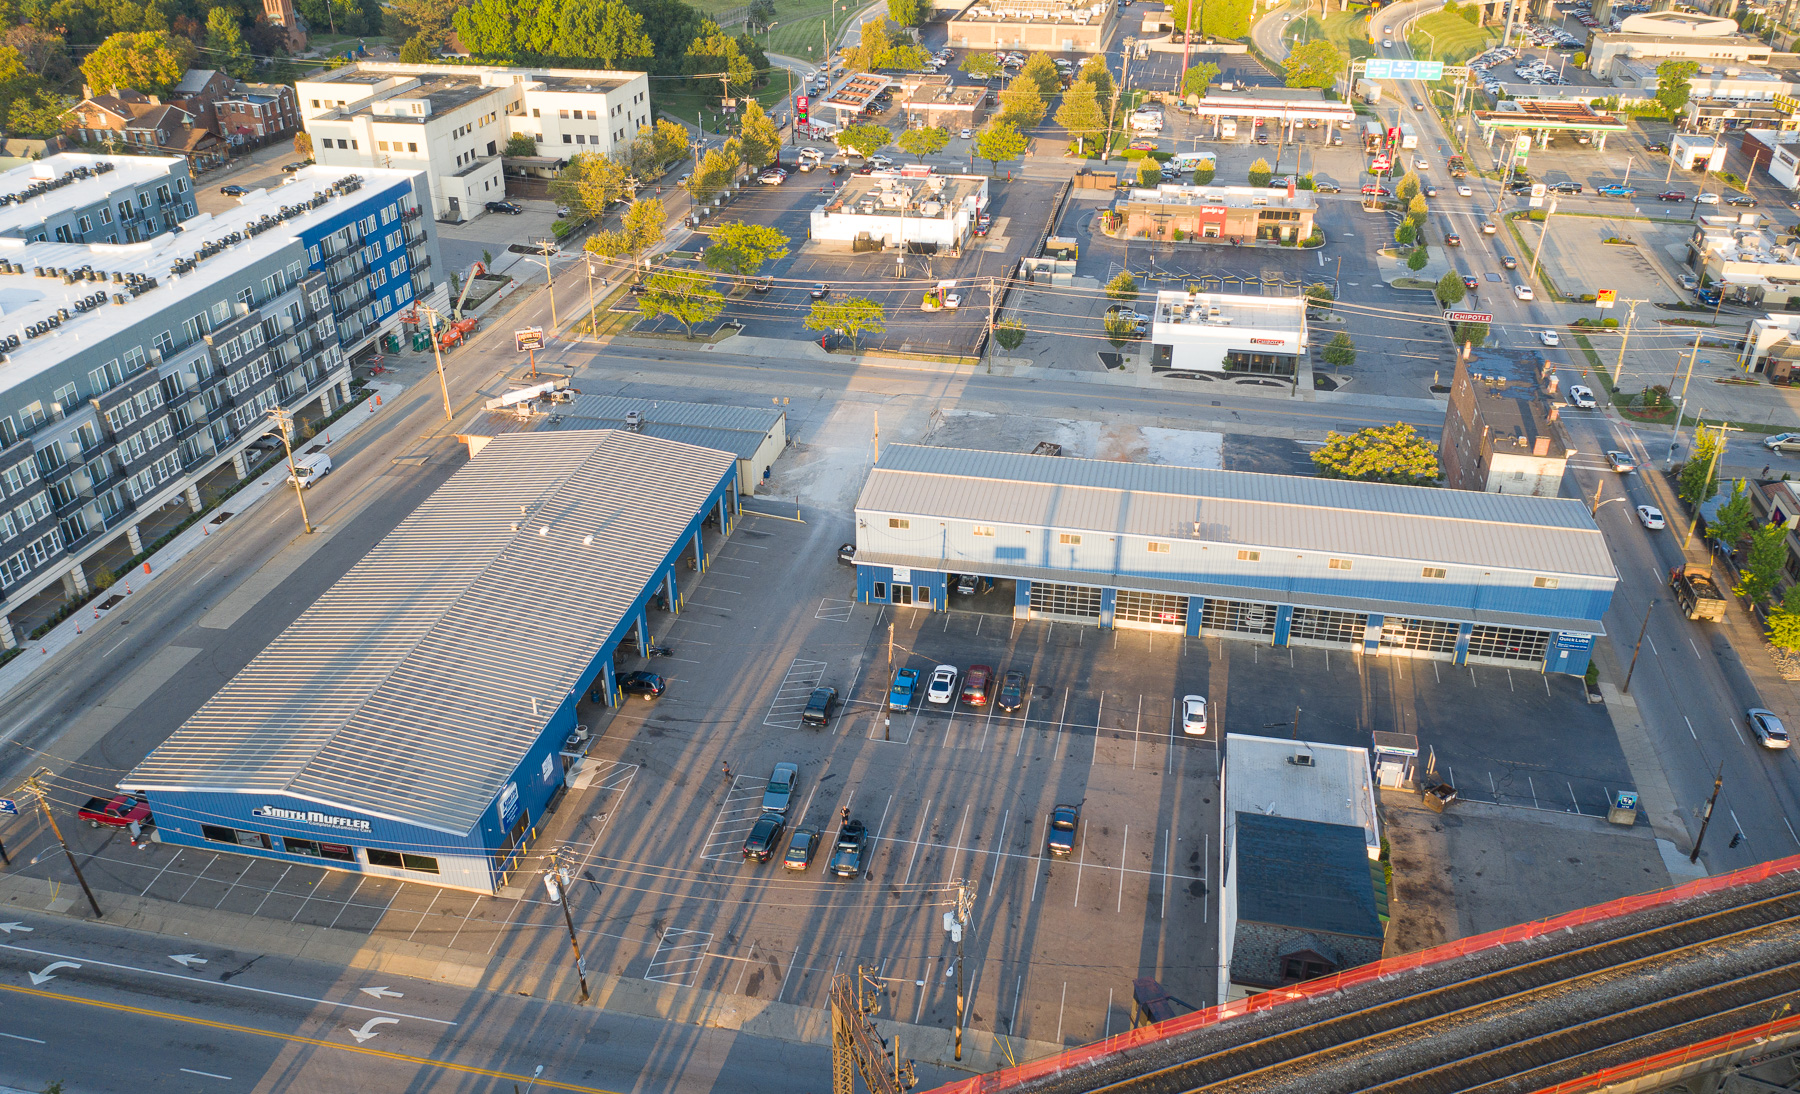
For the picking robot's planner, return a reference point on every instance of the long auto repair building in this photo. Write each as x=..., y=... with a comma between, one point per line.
x=411, y=723
x=1285, y=560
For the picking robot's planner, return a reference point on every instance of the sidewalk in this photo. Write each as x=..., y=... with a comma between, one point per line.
x=43, y=652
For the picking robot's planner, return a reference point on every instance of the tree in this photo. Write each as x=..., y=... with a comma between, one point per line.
x=715, y=172
x=876, y=38
x=687, y=298
x=759, y=135
x=1203, y=173
x=426, y=19
x=865, y=140
x=1149, y=172
x=1020, y=104
x=1384, y=453
x=1213, y=18
x=1010, y=333
x=1122, y=287
x=1416, y=262
x=1450, y=289
x=1341, y=351
x=672, y=27
x=588, y=183
x=1474, y=334
x=999, y=141
x=39, y=114
x=761, y=16
x=1700, y=476
x=853, y=317
x=905, y=57
x=225, y=46
x=1674, y=86
x=44, y=55
x=1319, y=298
x=1416, y=209
x=713, y=52
x=303, y=144
x=1733, y=520
x=521, y=144
x=1261, y=173
x=1096, y=73
x=1762, y=567
x=1784, y=621
x=644, y=224
x=1199, y=77
x=1119, y=330
x=415, y=51
x=1041, y=70
x=980, y=65
x=741, y=249
x=668, y=142
x=1406, y=233
x=1317, y=63
x=928, y=141
x=908, y=13
x=1081, y=115
x=1408, y=187
x=151, y=62
x=607, y=33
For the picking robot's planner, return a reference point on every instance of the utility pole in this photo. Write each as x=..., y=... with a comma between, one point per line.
x=1625, y=688
x=954, y=923
x=1595, y=507
x=1706, y=818
x=563, y=871
x=546, y=246
x=35, y=783
x=593, y=324
x=437, y=354
x=1187, y=35
x=857, y=1046
x=1543, y=234
x=1712, y=468
x=285, y=422
x=1681, y=404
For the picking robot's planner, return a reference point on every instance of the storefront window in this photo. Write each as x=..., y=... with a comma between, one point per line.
x=1269, y=364
x=395, y=860
x=236, y=836
x=337, y=852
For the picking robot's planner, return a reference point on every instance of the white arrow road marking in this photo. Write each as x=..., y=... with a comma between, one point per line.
x=384, y=993
x=8, y=928
x=44, y=977
x=187, y=960
x=368, y=1029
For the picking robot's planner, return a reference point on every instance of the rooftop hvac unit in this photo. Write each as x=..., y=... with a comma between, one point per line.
x=1301, y=759
x=634, y=421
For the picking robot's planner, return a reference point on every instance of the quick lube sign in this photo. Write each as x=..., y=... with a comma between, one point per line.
x=302, y=816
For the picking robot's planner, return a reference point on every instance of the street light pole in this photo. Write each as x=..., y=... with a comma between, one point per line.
x=437, y=353
x=559, y=894
x=1706, y=818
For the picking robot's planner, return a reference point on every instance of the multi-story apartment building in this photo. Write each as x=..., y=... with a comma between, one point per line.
x=76, y=198
x=453, y=121
x=131, y=370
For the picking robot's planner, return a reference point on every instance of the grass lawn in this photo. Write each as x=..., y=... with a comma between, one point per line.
x=1350, y=31
x=800, y=27
x=682, y=100
x=1456, y=38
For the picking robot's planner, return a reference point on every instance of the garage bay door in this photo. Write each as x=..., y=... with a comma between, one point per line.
x=1076, y=603
x=1508, y=646
x=1237, y=617
x=1319, y=627
x=1151, y=611
x=1431, y=638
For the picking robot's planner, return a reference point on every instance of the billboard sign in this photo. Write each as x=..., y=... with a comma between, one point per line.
x=528, y=338
x=1606, y=298
x=1469, y=316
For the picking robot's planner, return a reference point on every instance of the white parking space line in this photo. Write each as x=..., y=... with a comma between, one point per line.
x=924, y=820
x=833, y=610
x=737, y=815
x=678, y=957
x=790, y=698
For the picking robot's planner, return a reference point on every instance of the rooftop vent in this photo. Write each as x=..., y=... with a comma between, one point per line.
x=1301, y=759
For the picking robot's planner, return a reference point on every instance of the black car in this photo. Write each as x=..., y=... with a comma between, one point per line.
x=1656, y=146
x=290, y=168
x=1325, y=188
x=1470, y=283
x=647, y=684
x=1061, y=839
x=504, y=207
x=760, y=844
x=233, y=191
x=1012, y=692
x=818, y=706
x=847, y=856
x=1741, y=201
x=1567, y=188
x=1521, y=187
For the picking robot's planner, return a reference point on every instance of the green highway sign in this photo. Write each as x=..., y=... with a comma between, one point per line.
x=1383, y=68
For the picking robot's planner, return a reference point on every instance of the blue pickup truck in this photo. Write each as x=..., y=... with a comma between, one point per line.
x=906, y=683
x=1616, y=191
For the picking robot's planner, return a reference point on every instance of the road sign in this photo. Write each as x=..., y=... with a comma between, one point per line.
x=800, y=105
x=1538, y=190
x=1606, y=298
x=1379, y=164
x=1469, y=317
x=1384, y=68
x=9, y=807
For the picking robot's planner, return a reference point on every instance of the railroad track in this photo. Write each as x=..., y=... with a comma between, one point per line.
x=1386, y=1046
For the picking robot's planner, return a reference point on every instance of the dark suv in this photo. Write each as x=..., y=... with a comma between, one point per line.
x=504, y=207
x=818, y=706
x=647, y=684
x=760, y=844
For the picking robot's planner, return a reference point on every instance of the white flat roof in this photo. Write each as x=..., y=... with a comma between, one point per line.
x=26, y=299
x=105, y=174
x=1333, y=787
x=1230, y=310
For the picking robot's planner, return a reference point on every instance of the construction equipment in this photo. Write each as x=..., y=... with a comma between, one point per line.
x=475, y=271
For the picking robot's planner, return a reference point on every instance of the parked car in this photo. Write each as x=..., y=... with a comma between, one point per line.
x=1060, y=839
x=847, y=856
x=1707, y=198
x=233, y=191
x=975, y=685
x=647, y=684
x=1620, y=462
x=802, y=845
x=1614, y=190
x=1651, y=517
x=290, y=168
x=942, y=688
x=1741, y=201
x=117, y=811
x=1193, y=715
x=779, y=794
x=965, y=133
x=881, y=161
x=1012, y=692
x=1671, y=195
x=1769, y=731
x=1549, y=338
x=764, y=837
x=504, y=207
x=1377, y=191
x=1567, y=188
x=818, y=706
x=1325, y=188
x=905, y=686
x=819, y=292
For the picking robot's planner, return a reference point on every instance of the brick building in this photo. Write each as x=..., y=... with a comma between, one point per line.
x=1502, y=437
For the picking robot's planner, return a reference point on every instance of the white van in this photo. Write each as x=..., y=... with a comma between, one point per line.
x=310, y=469
x=1147, y=123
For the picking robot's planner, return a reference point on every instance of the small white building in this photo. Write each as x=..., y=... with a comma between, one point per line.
x=1222, y=332
x=1748, y=262
x=453, y=121
x=1694, y=151
x=926, y=212
x=1764, y=336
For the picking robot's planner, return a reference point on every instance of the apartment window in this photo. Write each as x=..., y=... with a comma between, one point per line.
x=534, y=111
x=1543, y=583
x=899, y=522
x=1340, y=564
x=562, y=113
x=105, y=215
x=1249, y=556
x=246, y=296
x=315, y=103
x=568, y=139
x=87, y=225
x=1436, y=573
x=164, y=343
x=1156, y=548
x=383, y=145
x=134, y=359
x=1069, y=538
x=984, y=529
x=411, y=147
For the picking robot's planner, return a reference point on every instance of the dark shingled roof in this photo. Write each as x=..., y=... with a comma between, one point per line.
x=1306, y=875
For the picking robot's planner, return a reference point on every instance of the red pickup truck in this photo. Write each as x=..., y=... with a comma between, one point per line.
x=117, y=812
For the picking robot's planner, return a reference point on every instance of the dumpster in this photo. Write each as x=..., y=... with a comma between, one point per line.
x=421, y=341
x=1439, y=796
x=390, y=343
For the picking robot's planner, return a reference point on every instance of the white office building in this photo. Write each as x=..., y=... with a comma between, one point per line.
x=1224, y=332
x=912, y=207
x=453, y=121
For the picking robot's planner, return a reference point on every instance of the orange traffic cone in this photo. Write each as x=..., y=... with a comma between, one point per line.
x=146, y=567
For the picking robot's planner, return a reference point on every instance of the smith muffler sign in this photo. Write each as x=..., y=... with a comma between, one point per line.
x=323, y=820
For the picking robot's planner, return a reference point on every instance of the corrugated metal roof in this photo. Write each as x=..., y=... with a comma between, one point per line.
x=1377, y=520
x=406, y=691
x=737, y=429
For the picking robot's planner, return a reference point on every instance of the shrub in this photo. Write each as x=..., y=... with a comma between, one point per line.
x=1417, y=260
x=1261, y=173
x=1305, y=182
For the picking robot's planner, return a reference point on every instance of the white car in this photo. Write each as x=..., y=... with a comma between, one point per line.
x=1651, y=517
x=1582, y=397
x=1707, y=199
x=1419, y=164
x=1523, y=292
x=1767, y=727
x=1193, y=715
x=942, y=689
x=966, y=133
x=1387, y=43
x=1463, y=191
x=1549, y=338
x=811, y=154
x=881, y=161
